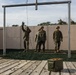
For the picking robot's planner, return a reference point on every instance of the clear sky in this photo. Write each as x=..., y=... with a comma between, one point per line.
x=32, y=17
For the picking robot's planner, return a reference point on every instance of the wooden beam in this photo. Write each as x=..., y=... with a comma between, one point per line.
x=33, y=4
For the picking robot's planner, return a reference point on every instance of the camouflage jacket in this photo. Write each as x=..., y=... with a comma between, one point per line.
x=57, y=36
x=42, y=36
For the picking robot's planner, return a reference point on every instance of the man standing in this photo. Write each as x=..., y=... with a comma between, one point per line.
x=26, y=31
x=57, y=37
x=42, y=38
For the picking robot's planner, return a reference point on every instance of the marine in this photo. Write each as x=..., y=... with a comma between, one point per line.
x=41, y=38
x=26, y=31
x=57, y=37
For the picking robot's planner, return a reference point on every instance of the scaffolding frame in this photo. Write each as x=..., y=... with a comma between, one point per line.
x=36, y=4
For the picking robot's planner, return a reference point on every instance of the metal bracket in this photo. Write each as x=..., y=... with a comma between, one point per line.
x=36, y=7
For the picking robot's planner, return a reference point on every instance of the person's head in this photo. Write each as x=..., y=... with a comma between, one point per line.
x=57, y=27
x=42, y=27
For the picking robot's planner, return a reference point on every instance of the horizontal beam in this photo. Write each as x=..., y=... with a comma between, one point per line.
x=33, y=4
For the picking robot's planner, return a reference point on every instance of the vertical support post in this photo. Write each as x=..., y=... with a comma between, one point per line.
x=36, y=5
x=47, y=37
x=69, y=51
x=4, y=32
x=20, y=36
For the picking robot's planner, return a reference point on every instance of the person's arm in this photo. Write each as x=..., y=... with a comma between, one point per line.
x=45, y=36
x=36, y=38
x=29, y=30
x=54, y=35
x=23, y=27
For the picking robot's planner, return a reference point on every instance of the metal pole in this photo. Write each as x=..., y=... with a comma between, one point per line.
x=33, y=4
x=4, y=30
x=36, y=6
x=69, y=51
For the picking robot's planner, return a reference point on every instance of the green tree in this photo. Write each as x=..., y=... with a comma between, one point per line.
x=15, y=25
x=73, y=22
x=44, y=24
x=61, y=22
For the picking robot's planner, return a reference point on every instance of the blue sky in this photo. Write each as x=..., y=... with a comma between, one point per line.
x=51, y=13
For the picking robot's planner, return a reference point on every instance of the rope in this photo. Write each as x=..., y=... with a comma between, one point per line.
x=27, y=22
x=27, y=12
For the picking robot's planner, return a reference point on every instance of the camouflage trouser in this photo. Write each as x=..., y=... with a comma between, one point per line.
x=26, y=44
x=37, y=46
x=57, y=45
x=41, y=43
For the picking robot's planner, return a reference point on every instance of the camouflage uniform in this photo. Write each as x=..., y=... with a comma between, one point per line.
x=26, y=36
x=41, y=39
x=57, y=37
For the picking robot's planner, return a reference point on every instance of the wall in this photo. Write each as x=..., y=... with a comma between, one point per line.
x=1, y=37
x=14, y=37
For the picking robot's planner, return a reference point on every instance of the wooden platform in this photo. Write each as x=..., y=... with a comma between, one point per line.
x=28, y=67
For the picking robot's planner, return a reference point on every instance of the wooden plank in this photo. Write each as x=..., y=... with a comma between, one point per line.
x=22, y=69
x=55, y=73
x=3, y=61
x=65, y=70
x=31, y=68
x=39, y=68
x=71, y=67
x=6, y=63
x=9, y=66
x=45, y=70
x=74, y=63
x=15, y=68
